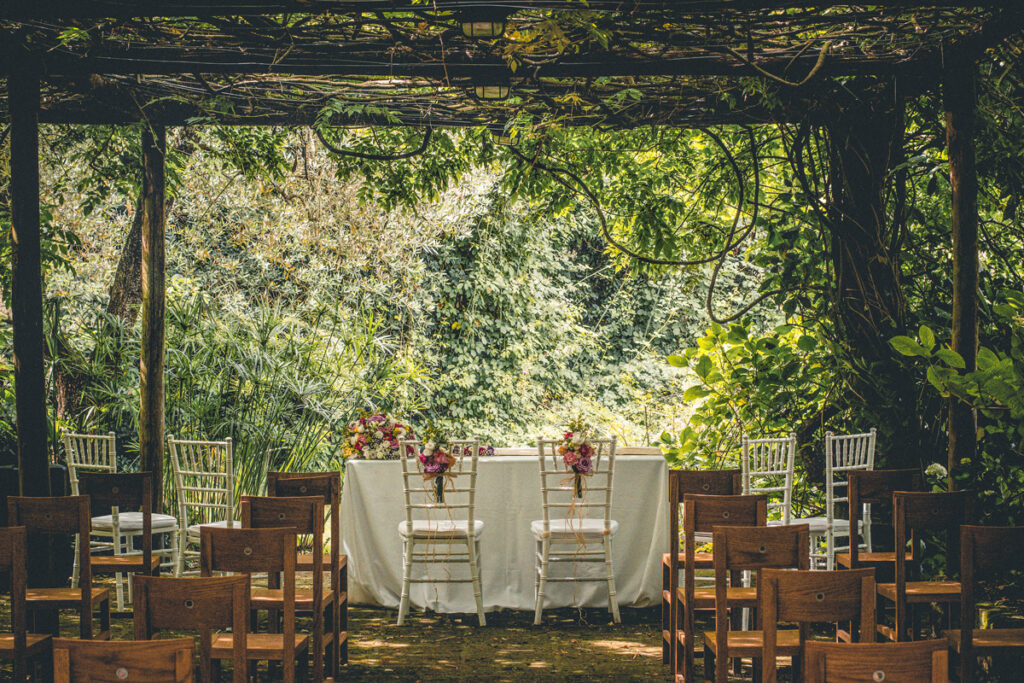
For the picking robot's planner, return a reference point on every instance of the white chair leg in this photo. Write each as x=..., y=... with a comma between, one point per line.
x=403, y=606
x=543, y=574
x=175, y=550
x=75, y=569
x=473, y=548
x=179, y=566
x=830, y=548
x=119, y=577
x=867, y=528
x=613, y=601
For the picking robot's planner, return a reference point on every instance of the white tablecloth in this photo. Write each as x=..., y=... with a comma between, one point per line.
x=508, y=499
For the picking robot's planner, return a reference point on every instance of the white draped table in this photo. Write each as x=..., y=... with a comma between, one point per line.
x=508, y=499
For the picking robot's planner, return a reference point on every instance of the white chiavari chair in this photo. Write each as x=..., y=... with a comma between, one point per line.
x=440, y=528
x=98, y=453
x=204, y=488
x=843, y=453
x=768, y=469
x=565, y=539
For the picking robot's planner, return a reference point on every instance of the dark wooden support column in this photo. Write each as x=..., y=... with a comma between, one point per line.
x=960, y=96
x=27, y=281
x=151, y=369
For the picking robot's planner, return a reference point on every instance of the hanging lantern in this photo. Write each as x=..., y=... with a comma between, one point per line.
x=492, y=91
x=502, y=135
x=483, y=22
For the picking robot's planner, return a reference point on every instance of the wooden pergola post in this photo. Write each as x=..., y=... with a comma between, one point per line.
x=960, y=98
x=151, y=364
x=27, y=280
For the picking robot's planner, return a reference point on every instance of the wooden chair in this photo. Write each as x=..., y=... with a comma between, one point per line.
x=204, y=488
x=18, y=645
x=809, y=597
x=64, y=515
x=743, y=548
x=195, y=604
x=448, y=524
x=306, y=516
x=680, y=483
x=579, y=523
x=328, y=485
x=867, y=488
x=926, y=661
x=258, y=551
x=113, y=493
x=700, y=515
x=134, y=661
x=985, y=552
x=912, y=513
x=98, y=453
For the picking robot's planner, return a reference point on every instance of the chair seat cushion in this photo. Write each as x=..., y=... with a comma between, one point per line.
x=446, y=528
x=571, y=528
x=818, y=525
x=132, y=521
x=193, y=530
x=990, y=638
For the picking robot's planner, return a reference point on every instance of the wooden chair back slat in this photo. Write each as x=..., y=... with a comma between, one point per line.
x=84, y=661
x=701, y=514
x=925, y=661
x=820, y=597
x=247, y=551
x=741, y=548
x=195, y=604
x=809, y=597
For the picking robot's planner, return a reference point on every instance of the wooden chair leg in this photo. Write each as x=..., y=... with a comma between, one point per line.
x=403, y=605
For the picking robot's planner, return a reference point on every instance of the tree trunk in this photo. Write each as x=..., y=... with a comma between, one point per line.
x=126, y=289
x=865, y=130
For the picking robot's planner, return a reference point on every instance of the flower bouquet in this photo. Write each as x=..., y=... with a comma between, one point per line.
x=375, y=437
x=437, y=459
x=577, y=452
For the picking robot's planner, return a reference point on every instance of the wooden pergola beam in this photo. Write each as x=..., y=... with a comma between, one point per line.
x=27, y=282
x=91, y=9
x=959, y=90
x=151, y=362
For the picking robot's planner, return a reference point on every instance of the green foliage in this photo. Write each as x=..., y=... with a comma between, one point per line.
x=995, y=389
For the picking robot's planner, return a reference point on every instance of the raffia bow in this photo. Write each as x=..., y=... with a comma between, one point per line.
x=576, y=479
x=441, y=481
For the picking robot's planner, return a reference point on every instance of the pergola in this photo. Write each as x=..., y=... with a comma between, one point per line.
x=602, y=63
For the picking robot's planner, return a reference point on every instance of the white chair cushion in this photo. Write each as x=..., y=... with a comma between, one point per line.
x=819, y=524
x=561, y=528
x=132, y=521
x=424, y=528
x=194, y=529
